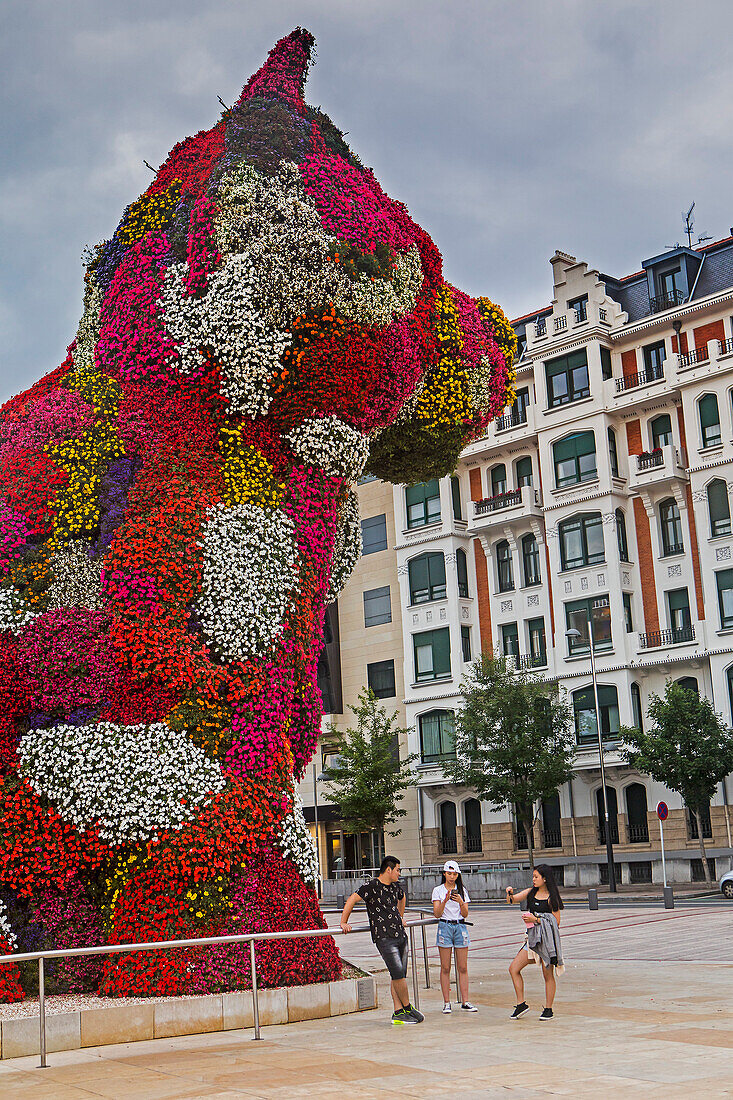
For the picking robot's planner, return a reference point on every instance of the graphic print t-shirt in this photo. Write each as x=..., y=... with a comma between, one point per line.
x=381, y=906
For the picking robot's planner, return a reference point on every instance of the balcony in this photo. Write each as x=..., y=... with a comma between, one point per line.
x=725, y=347
x=697, y=355
x=505, y=508
x=659, y=467
x=654, y=639
x=511, y=420
x=637, y=833
x=560, y=323
x=532, y=660
x=540, y=329
x=499, y=502
x=638, y=378
x=666, y=301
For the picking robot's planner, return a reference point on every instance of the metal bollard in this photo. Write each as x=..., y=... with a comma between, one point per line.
x=668, y=897
x=340, y=901
x=415, y=984
x=592, y=899
x=42, y=1012
x=255, y=998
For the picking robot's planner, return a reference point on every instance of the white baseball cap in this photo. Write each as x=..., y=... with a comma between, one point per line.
x=451, y=865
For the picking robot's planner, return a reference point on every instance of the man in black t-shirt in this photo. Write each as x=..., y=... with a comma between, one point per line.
x=385, y=905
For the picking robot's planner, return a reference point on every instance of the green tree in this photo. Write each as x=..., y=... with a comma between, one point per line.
x=689, y=748
x=514, y=739
x=369, y=780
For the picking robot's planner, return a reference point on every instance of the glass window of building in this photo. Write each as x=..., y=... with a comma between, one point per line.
x=380, y=678
x=654, y=356
x=509, y=640
x=623, y=545
x=578, y=613
x=729, y=679
x=498, y=479
x=437, y=736
x=462, y=572
x=427, y=578
x=581, y=540
x=606, y=366
x=537, y=641
x=628, y=617
x=688, y=683
x=504, y=571
x=612, y=452
x=718, y=507
x=519, y=411
x=661, y=429
x=636, y=706
x=575, y=459
x=724, y=583
x=531, y=560
x=373, y=534
x=431, y=650
x=567, y=378
x=466, y=643
x=671, y=527
x=580, y=305
x=423, y=503
x=377, y=606
x=584, y=708
x=707, y=409
x=524, y=471
x=678, y=611
x=455, y=491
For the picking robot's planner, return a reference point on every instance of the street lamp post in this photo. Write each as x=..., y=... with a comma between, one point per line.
x=572, y=633
x=316, y=780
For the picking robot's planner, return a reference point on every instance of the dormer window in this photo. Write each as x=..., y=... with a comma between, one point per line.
x=580, y=305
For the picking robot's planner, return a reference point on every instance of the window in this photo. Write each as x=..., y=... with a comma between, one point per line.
x=636, y=710
x=567, y=378
x=606, y=368
x=584, y=709
x=678, y=610
x=580, y=305
x=448, y=832
x=581, y=540
x=692, y=831
x=520, y=406
x=462, y=571
x=718, y=507
x=524, y=471
x=688, y=683
x=373, y=534
x=466, y=643
x=697, y=871
x=729, y=680
x=377, y=606
x=472, y=818
x=628, y=617
x=669, y=285
x=498, y=480
x=707, y=410
x=423, y=503
x=612, y=802
x=537, y=641
x=531, y=560
x=432, y=654
x=437, y=736
x=623, y=546
x=612, y=452
x=505, y=574
x=577, y=615
x=455, y=491
x=671, y=525
x=724, y=581
x=640, y=870
x=654, y=356
x=551, y=822
x=427, y=578
x=661, y=429
x=575, y=459
x=510, y=640
x=380, y=678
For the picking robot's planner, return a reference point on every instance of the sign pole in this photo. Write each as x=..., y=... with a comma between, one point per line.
x=662, y=813
x=664, y=866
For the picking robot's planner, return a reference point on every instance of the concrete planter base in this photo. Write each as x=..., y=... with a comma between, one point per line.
x=187, y=1016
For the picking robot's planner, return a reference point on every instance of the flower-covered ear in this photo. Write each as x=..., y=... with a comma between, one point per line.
x=284, y=74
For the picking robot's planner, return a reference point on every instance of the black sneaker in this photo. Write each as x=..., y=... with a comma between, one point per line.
x=414, y=1012
x=403, y=1017
x=519, y=1010
x=546, y=1014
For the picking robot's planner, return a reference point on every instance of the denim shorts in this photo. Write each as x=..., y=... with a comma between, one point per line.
x=452, y=935
x=394, y=953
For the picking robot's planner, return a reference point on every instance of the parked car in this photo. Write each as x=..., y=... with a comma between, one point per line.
x=726, y=885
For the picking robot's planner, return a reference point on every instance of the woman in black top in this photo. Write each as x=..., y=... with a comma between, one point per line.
x=542, y=897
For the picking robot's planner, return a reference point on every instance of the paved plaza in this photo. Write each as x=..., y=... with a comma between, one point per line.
x=644, y=1009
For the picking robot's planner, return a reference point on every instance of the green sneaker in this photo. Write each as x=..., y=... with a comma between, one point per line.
x=403, y=1017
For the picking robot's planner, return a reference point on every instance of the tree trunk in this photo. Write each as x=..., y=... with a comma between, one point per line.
x=528, y=826
x=703, y=853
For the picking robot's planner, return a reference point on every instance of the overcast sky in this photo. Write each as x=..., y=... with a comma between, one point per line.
x=510, y=128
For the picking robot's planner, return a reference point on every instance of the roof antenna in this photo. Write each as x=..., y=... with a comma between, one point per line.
x=223, y=103
x=689, y=222
x=153, y=170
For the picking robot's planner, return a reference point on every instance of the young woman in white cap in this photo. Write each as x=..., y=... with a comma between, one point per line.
x=450, y=906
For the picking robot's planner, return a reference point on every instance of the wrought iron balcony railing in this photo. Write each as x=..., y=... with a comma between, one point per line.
x=654, y=638
x=639, y=378
x=532, y=660
x=697, y=355
x=511, y=420
x=496, y=503
x=666, y=301
x=639, y=833
x=649, y=459
x=551, y=838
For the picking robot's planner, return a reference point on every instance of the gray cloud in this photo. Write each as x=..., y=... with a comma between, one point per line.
x=509, y=127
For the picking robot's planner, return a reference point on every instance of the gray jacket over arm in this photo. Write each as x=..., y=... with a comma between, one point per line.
x=543, y=942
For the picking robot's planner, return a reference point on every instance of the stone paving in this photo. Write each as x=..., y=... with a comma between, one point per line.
x=629, y=1023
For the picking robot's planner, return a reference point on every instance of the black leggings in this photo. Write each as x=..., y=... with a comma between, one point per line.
x=394, y=953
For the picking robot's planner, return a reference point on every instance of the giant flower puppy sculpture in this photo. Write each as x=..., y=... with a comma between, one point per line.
x=176, y=512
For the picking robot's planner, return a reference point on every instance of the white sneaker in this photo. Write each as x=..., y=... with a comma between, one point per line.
x=446, y=1008
x=468, y=1007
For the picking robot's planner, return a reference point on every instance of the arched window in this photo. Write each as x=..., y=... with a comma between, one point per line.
x=581, y=540
x=427, y=578
x=637, y=824
x=462, y=571
x=531, y=560
x=636, y=710
x=584, y=709
x=661, y=431
x=623, y=545
x=524, y=471
x=455, y=490
x=718, y=507
x=612, y=815
x=437, y=736
x=574, y=459
x=504, y=572
x=689, y=683
x=551, y=822
x=729, y=680
x=498, y=479
x=472, y=824
x=671, y=526
x=448, y=831
x=707, y=411
x=612, y=452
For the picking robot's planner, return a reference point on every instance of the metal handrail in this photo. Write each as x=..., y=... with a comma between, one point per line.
x=160, y=945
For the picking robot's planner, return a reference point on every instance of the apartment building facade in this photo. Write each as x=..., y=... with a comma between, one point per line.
x=601, y=497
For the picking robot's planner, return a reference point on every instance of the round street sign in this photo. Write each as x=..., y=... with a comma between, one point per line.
x=662, y=811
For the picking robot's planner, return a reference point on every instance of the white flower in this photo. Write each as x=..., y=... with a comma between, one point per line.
x=77, y=578
x=296, y=843
x=248, y=577
x=380, y=301
x=87, y=333
x=131, y=781
x=346, y=546
x=6, y=932
x=339, y=449
x=14, y=615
